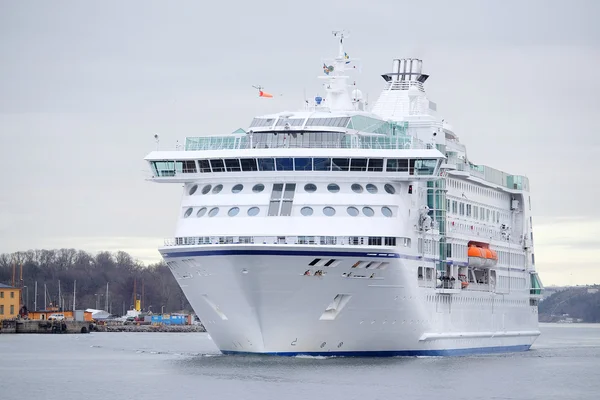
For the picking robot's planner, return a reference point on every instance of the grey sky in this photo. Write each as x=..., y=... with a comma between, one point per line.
x=84, y=87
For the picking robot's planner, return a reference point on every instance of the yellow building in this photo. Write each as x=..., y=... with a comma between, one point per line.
x=10, y=301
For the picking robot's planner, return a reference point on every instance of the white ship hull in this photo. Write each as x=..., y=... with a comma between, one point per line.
x=258, y=300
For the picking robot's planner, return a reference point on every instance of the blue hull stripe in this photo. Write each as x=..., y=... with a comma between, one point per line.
x=393, y=353
x=247, y=252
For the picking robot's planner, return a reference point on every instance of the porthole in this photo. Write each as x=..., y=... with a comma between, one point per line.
x=259, y=187
x=310, y=187
x=217, y=189
x=201, y=212
x=333, y=188
x=389, y=188
x=371, y=188
x=188, y=212
x=356, y=188
x=306, y=211
x=352, y=211
x=386, y=211
x=368, y=211
x=237, y=188
x=329, y=211
x=233, y=211
x=193, y=190
x=206, y=189
x=214, y=211
x=253, y=211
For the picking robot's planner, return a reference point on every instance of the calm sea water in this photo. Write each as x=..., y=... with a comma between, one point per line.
x=564, y=363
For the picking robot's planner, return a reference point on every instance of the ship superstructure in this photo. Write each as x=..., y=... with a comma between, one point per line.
x=335, y=230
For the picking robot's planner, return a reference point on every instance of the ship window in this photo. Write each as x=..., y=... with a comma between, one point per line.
x=249, y=164
x=322, y=164
x=204, y=165
x=237, y=188
x=375, y=165
x=371, y=188
x=303, y=164
x=306, y=211
x=233, y=165
x=424, y=167
x=397, y=165
x=333, y=188
x=187, y=166
x=188, y=212
x=193, y=190
x=266, y=164
x=285, y=164
x=201, y=212
x=386, y=211
x=217, y=165
x=358, y=164
x=206, y=189
x=233, y=211
x=310, y=187
x=259, y=187
x=352, y=211
x=356, y=188
x=253, y=211
x=314, y=262
x=389, y=188
x=286, y=208
x=329, y=211
x=214, y=211
x=340, y=164
x=368, y=211
x=217, y=189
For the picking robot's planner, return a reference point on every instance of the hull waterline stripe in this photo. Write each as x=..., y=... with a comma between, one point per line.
x=392, y=353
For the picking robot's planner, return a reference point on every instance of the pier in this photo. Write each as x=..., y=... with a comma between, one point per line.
x=45, y=326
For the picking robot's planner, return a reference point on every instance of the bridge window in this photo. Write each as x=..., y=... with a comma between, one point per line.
x=322, y=164
x=375, y=165
x=187, y=166
x=423, y=167
x=285, y=164
x=217, y=165
x=233, y=165
x=340, y=164
x=204, y=166
x=266, y=164
x=303, y=164
x=249, y=164
x=358, y=164
x=397, y=165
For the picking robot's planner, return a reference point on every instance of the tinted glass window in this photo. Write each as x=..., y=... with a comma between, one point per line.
x=322, y=164
x=303, y=164
x=266, y=164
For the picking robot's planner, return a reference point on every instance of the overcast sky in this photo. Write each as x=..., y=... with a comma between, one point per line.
x=84, y=87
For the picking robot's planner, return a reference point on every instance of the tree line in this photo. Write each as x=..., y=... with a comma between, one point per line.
x=577, y=302
x=89, y=274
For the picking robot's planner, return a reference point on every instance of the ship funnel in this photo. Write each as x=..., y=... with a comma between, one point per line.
x=406, y=70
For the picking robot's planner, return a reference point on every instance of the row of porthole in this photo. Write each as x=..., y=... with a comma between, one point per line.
x=309, y=188
x=306, y=211
x=352, y=211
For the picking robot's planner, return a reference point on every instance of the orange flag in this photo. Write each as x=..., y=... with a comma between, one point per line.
x=264, y=94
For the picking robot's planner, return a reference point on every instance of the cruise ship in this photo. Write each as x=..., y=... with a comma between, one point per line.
x=344, y=229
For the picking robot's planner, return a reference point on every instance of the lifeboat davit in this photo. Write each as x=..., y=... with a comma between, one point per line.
x=480, y=257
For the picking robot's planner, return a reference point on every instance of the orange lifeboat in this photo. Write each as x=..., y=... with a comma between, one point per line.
x=482, y=257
